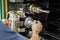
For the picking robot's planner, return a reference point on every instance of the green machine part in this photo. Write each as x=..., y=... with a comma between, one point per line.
x=0, y=9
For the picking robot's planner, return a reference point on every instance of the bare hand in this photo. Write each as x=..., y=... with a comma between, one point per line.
x=5, y=21
x=36, y=27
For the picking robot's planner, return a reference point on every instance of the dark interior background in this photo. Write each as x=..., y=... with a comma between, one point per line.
x=54, y=17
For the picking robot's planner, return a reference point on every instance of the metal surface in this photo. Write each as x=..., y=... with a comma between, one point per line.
x=16, y=0
x=28, y=22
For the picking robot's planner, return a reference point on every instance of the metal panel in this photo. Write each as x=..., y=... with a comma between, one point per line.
x=16, y=0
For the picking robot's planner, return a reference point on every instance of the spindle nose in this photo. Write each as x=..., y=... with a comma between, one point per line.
x=28, y=22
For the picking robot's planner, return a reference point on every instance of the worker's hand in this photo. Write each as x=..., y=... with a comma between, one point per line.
x=36, y=27
x=5, y=21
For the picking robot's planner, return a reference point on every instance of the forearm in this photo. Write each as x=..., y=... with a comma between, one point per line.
x=35, y=36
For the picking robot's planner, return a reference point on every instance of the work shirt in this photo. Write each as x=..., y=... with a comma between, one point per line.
x=7, y=33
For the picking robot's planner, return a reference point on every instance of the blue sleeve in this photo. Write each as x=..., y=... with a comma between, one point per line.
x=7, y=34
